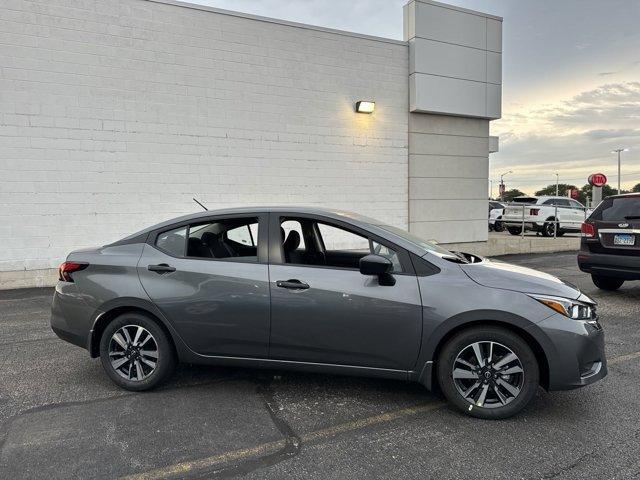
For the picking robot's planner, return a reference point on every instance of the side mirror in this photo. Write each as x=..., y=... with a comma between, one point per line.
x=379, y=266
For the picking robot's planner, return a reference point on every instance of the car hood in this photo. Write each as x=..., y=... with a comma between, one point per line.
x=496, y=274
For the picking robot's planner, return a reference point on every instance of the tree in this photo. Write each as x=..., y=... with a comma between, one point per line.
x=551, y=190
x=607, y=191
x=636, y=188
x=509, y=195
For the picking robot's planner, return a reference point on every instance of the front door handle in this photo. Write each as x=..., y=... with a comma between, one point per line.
x=292, y=284
x=161, y=268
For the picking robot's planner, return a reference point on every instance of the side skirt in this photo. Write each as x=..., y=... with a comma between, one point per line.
x=328, y=368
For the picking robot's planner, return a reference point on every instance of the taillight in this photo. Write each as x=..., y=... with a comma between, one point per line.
x=588, y=230
x=534, y=211
x=67, y=268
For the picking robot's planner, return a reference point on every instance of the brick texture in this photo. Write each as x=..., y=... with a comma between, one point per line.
x=115, y=113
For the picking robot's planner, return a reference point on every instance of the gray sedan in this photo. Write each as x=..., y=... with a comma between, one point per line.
x=326, y=291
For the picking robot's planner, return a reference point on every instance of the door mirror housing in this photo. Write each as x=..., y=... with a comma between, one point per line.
x=379, y=266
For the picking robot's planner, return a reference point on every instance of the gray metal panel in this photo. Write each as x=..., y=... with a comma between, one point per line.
x=448, y=25
x=494, y=67
x=448, y=60
x=494, y=101
x=494, y=35
x=454, y=55
x=433, y=94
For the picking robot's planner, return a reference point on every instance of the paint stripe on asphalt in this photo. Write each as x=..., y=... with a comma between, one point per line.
x=271, y=447
x=324, y=433
x=623, y=358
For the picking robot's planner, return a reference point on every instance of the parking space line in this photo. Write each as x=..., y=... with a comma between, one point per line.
x=270, y=447
x=623, y=358
x=310, y=437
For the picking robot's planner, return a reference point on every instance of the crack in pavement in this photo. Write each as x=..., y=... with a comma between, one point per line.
x=288, y=447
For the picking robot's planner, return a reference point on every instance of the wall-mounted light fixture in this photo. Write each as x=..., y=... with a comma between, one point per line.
x=363, y=106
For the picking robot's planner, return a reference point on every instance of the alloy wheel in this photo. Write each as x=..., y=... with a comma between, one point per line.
x=488, y=374
x=133, y=352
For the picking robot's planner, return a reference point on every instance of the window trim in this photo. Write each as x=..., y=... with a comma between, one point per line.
x=276, y=255
x=262, y=246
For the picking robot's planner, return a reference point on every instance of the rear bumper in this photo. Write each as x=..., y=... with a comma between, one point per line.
x=578, y=357
x=617, y=266
x=528, y=225
x=70, y=315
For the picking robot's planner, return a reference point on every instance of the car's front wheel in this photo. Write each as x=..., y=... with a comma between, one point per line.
x=488, y=372
x=606, y=283
x=136, y=353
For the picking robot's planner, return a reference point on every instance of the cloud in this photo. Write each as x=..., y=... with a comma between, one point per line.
x=573, y=137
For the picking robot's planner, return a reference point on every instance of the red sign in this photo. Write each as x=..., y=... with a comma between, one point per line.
x=573, y=193
x=501, y=189
x=597, y=179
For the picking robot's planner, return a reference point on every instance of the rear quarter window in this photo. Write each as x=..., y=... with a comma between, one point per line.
x=173, y=241
x=617, y=209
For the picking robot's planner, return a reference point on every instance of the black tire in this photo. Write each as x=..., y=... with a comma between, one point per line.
x=560, y=233
x=166, y=358
x=529, y=380
x=547, y=228
x=498, y=226
x=515, y=230
x=606, y=283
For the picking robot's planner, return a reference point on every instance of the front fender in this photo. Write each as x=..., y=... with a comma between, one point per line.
x=435, y=336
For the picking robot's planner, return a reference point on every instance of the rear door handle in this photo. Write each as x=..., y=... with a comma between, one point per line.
x=292, y=284
x=161, y=268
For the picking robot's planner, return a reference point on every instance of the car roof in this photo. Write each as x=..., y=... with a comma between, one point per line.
x=624, y=195
x=336, y=214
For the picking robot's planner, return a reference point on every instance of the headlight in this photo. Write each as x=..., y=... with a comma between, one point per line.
x=575, y=309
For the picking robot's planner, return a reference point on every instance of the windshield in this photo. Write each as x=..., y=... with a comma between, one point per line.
x=420, y=242
x=617, y=209
x=524, y=200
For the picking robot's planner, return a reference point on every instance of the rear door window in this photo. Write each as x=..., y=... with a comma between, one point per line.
x=618, y=209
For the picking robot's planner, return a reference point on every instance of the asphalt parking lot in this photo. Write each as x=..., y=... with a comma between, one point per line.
x=60, y=416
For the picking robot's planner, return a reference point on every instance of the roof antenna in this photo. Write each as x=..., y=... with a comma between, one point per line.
x=206, y=209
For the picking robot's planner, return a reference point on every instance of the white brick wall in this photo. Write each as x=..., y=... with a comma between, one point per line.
x=114, y=113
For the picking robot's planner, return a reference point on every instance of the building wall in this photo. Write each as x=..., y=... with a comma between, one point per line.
x=448, y=171
x=115, y=113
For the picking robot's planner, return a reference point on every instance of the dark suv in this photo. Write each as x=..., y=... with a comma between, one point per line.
x=610, y=246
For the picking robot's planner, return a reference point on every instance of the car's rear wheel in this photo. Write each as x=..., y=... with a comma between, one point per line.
x=606, y=283
x=498, y=226
x=515, y=230
x=136, y=353
x=548, y=228
x=488, y=372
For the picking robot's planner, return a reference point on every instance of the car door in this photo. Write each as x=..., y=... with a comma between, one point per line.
x=323, y=310
x=577, y=213
x=211, y=281
x=565, y=215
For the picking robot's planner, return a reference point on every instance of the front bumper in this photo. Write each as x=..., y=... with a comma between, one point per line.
x=575, y=352
x=626, y=267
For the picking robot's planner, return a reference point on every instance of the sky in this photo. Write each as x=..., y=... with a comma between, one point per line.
x=571, y=79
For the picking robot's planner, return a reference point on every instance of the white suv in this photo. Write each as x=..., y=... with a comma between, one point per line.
x=541, y=214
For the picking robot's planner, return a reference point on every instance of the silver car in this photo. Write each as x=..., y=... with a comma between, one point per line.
x=325, y=291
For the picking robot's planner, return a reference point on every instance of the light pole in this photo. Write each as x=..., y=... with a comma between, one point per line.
x=619, y=151
x=557, y=180
x=490, y=189
x=502, y=184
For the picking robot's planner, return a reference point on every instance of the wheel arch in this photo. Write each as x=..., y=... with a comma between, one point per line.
x=429, y=379
x=113, y=310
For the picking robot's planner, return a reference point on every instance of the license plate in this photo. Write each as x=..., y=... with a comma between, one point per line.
x=624, y=239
